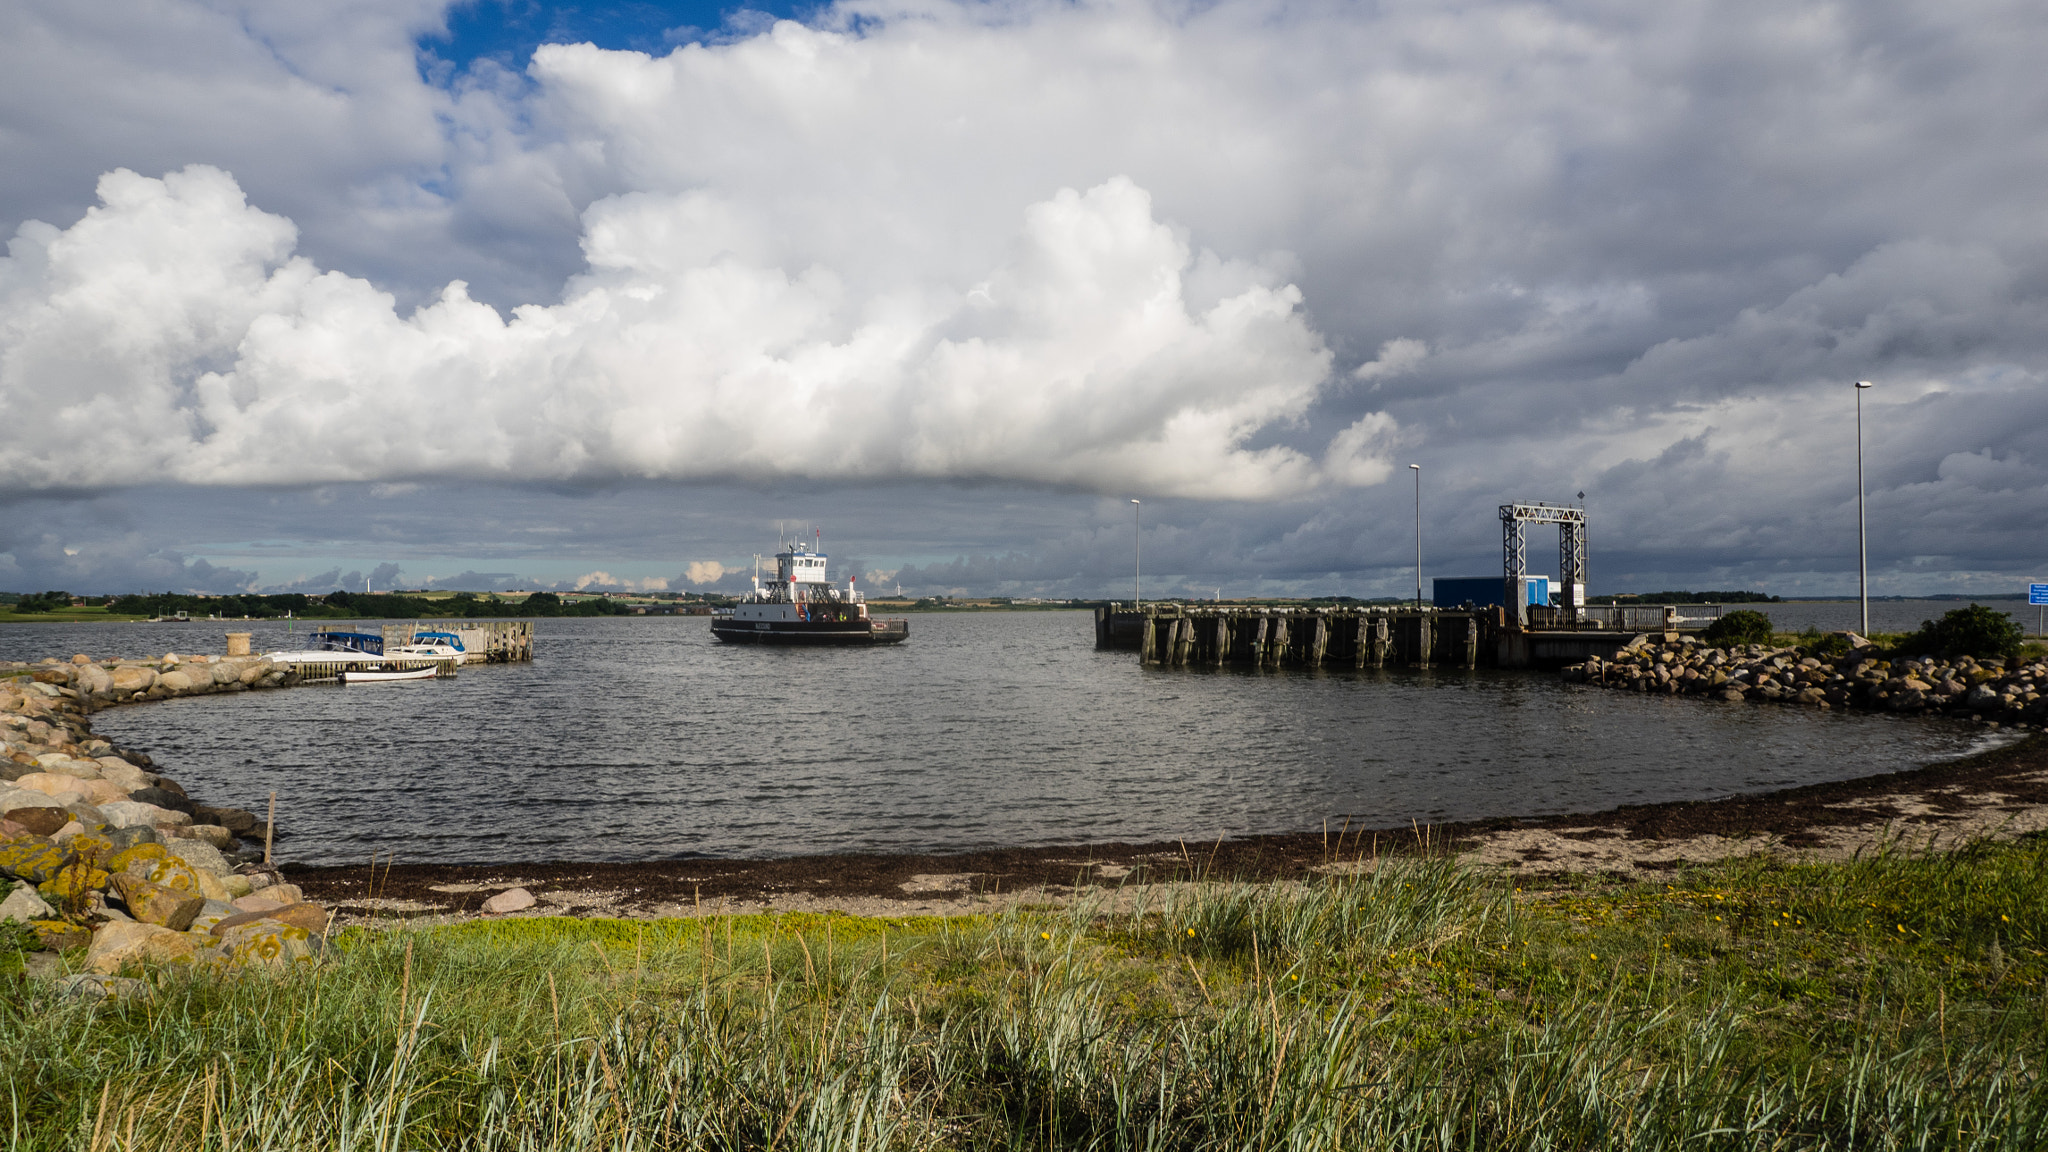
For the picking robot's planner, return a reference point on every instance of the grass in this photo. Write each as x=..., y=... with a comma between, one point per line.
x=1892, y=1002
x=89, y=614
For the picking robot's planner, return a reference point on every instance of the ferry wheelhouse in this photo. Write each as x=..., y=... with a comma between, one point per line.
x=802, y=606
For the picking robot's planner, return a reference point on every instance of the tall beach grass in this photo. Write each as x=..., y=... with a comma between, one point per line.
x=1893, y=1002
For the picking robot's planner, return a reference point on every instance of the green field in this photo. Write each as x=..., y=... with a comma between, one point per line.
x=1897, y=1001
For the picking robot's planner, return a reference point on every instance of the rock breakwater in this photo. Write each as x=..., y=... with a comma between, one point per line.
x=1991, y=692
x=101, y=853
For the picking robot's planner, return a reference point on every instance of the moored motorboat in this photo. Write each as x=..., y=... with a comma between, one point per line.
x=379, y=676
x=802, y=606
x=431, y=646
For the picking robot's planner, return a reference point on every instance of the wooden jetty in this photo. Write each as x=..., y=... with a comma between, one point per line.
x=1372, y=636
x=486, y=641
x=1277, y=637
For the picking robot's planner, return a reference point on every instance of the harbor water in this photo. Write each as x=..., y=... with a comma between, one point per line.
x=642, y=738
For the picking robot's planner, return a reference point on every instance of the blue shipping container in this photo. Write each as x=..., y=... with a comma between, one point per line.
x=1485, y=591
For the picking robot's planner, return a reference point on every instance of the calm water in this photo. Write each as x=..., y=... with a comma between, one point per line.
x=638, y=739
x=1885, y=615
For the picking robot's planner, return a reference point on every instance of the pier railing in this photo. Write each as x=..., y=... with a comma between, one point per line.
x=1606, y=617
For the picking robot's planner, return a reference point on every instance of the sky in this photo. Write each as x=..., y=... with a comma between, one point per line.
x=507, y=294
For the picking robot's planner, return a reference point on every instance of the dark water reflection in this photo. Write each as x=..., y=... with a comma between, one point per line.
x=636, y=739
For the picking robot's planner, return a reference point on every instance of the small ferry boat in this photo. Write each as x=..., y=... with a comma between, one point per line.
x=802, y=606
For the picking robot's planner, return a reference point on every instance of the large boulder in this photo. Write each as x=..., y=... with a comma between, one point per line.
x=202, y=857
x=40, y=821
x=12, y=798
x=24, y=905
x=234, y=820
x=51, y=783
x=156, y=904
x=117, y=946
x=178, y=680
x=93, y=680
x=213, y=834
x=134, y=814
x=267, y=943
x=133, y=678
x=510, y=900
x=163, y=798
x=60, y=935
x=310, y=917
x=30, y=858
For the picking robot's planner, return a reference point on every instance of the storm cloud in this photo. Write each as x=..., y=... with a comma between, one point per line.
x=1242, y=260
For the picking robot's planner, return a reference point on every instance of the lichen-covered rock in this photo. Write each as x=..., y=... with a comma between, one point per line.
x=72, y=883
x=60, y=935
x=267, y=943
x=118, y=946
x=30, y=858
x=127, y=858
x=156, y=904
x=170, y=872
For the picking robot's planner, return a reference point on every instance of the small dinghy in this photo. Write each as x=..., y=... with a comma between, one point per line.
x=352, y=676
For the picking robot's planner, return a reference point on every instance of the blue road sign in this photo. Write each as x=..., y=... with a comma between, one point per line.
x=2037, y=593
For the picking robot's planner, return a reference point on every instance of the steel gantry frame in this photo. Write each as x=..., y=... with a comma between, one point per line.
x=1571, y=554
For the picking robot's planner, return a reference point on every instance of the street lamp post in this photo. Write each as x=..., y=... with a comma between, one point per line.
x=1862, y=533
x=1417, y=468
x=1137, y=559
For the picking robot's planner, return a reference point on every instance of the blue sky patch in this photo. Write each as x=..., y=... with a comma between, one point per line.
x=508, y=31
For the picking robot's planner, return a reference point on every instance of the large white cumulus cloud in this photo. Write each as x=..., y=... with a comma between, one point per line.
x=172, y=335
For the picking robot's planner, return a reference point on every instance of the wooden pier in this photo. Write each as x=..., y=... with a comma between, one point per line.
x=1380, y=636
x=1338, y=637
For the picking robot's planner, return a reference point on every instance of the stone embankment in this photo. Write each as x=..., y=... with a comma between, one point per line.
x=1989, y=692
x=100, y=853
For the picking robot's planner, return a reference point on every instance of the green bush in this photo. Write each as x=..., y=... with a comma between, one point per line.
x=1742, y=626
x=1974, y=631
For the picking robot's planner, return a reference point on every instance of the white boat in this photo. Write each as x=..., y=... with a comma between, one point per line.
x=431, y=646
x=363, y=676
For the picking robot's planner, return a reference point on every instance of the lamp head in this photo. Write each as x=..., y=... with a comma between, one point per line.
x=1417, y=467
x=1134, y=500
x=1863, y=383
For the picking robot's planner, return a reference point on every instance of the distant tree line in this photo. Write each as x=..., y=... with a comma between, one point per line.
x=1686, y=598
x=358, y=606
x=37, y=601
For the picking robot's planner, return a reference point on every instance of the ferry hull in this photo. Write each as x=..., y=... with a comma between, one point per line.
x=803, y=632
